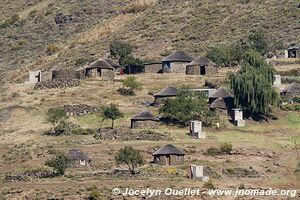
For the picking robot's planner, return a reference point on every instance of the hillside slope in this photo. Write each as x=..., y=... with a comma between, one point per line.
x=52, y=33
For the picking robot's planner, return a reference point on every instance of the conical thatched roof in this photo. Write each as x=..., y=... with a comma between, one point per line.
x=168, y=150
x=167, y=92
x=76, y=154
x=221, y=92
x=112, y=63
x=295, y=47
x=293, y=88
x=218, y=104
x=202, y=61
x=100, y=63
x=179, y=56
x=145, y=115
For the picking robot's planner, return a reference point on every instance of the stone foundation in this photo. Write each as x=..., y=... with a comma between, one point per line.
x=196, y=70
x=144, y=124
x=169, y=160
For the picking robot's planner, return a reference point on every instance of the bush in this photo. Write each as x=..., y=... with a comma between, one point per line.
x=226, y=148
x=95, y=194
x=10, y=21
x=212, y=151
x=131, y=85
x=296, y=99
x=56, y=115
x=209, y=185
x=59, y=163
x=52, y=49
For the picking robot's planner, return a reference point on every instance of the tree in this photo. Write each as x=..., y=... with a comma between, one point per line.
x=123, y=52
x=129, y=156
x=252, y=85
x=219, y=55
x=131, y=83
x=187, y=106
x=59, y=163
x=55, y=116
x=258, y=42
x=111, y=112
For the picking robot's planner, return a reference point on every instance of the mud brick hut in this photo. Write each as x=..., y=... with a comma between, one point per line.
x=78, y=158
x=221, y=101
x=201, y=66
x=153, y=67
x=168, y=155
x=176, y=62
x=100, y=68
x=294, y=52
x=291, y=91
x=144, y=120
x=168, y=92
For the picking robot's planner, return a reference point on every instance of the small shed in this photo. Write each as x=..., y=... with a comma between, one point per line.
x=78, y=158
x=168, y=92
x=176, y=62
x=168, y=155
x=294, y=51
x=153, y=67
x=100, y=68
x=201, y=66
x=221, y=101
x=144, y=120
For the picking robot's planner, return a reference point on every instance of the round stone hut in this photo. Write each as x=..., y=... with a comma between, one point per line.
x=144, y=120
x=168, y=92
x=100, y=68
x=168, y=155
x=201, y=66
x=221, y=101
x=176, y=62
x=78, y=158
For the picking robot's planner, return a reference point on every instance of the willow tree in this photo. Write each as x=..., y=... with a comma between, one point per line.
x=252, y=86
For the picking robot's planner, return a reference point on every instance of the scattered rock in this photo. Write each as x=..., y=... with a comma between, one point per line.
x=59, y=83
x=241, y=173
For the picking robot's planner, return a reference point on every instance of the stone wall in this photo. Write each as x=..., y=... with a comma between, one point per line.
x=65, y=74
x=176, y=67
x=153, y=68
x=107, y=74
x=80, y=109
x=174, y=160
x=144, y=124
x=59, y=83
x=195, y=70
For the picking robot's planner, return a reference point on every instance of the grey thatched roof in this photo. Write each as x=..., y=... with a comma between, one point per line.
x=221, y=92
x=293, y=88
x=168, y=150
x=112, y=63
x=100, y=63
x=145, y=115
x=167, y=92
x=294, y=47
x=179, y=56
x=202, y=61
x=76, y=154
x=218, y=104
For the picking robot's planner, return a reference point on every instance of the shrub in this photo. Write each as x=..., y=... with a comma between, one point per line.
x=95, y=194
x=212, y=151
x=129, y=156
x=10, y=21
x=56, y=115
x=209, y=185
x=226, y=148
x=59, y=163
x=130, y=86
x=52, y=49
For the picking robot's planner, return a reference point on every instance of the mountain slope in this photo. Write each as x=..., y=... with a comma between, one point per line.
x=52, y=33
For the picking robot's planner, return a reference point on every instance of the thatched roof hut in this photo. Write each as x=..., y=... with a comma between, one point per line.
x=168, y=149
x=144, y=120
x=221, y=92
x=168, y=155
x=178, y=56
x=202, y=61
x=292, y=90
x=112, y=63
x=78, y=158
x=167, y=92
x=100, y=64
x=218, y=104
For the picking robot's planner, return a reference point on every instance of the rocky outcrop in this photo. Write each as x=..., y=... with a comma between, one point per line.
x=57, y=84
